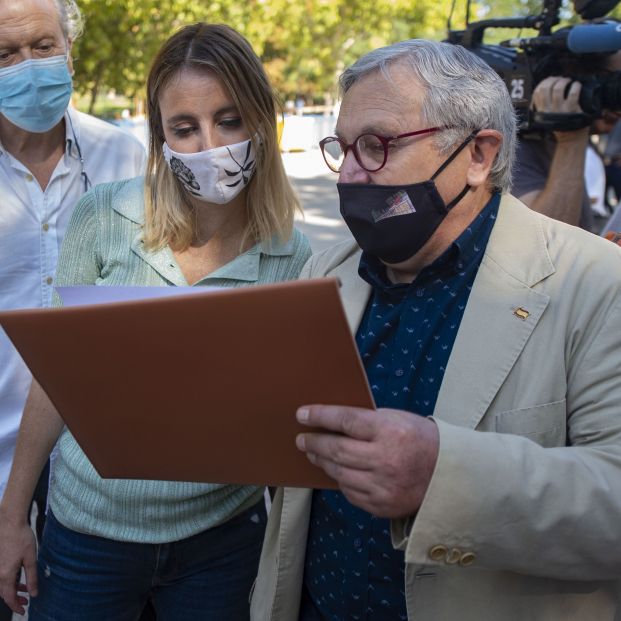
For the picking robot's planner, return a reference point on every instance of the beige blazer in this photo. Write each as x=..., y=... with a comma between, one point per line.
x=523, y=522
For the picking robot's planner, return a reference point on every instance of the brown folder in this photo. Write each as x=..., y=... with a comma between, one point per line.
x=196, y=388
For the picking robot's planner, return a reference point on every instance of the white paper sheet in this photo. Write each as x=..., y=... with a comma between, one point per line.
x=91, y=294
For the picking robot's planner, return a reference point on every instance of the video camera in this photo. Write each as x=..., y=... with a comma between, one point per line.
x=573, y=51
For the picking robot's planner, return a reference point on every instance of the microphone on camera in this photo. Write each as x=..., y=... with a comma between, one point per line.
x=594, y=38
x=602, y=38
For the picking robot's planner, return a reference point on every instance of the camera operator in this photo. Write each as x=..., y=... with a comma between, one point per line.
x=549, y=172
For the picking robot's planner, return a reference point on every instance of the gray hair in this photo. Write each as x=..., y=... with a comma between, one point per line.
x=71, y=20
x=462, y=92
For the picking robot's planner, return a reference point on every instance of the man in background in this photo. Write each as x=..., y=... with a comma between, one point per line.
x=50, y=155
x=550, y=166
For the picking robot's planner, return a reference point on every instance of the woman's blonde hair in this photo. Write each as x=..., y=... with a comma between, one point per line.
x=270, y=200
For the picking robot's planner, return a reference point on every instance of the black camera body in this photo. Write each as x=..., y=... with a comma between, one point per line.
x=578, y=52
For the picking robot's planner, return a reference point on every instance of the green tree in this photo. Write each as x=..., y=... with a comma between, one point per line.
x=304, y=45
x=120, y=40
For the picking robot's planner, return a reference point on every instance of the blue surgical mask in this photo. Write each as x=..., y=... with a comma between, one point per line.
x=34, y=94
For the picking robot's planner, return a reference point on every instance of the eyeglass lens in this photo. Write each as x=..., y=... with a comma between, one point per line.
x=333, y=154
x=370, y=151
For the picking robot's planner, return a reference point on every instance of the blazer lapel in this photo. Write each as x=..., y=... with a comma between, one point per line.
x=502, y=311
x=355, y=292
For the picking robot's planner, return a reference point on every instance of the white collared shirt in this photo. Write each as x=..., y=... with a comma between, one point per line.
x=32, y=226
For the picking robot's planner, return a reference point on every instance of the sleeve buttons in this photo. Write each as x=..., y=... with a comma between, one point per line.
x=441, y=553
x=438, y=553
x=467, y=558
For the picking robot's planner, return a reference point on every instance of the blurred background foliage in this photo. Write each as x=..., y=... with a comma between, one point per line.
x=304, y=44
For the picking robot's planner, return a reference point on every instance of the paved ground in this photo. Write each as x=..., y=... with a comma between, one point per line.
x=316, y=186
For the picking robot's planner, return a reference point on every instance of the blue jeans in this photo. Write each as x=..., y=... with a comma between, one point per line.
x=206, y=577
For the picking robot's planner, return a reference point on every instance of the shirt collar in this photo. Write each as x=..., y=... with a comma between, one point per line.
x=72, y=133
x=466, y=248
x=246, y=267
x=469, y=244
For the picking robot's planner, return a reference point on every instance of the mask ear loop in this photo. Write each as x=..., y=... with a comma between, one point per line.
x=83, y=174
x=455, y=153
x=459, y=149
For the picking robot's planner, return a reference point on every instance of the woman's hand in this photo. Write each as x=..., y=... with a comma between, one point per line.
x=18, y=549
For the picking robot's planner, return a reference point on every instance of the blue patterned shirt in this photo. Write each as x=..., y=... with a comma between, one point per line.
x=405, y=338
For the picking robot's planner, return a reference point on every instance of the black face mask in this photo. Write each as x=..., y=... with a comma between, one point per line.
x=393, y=222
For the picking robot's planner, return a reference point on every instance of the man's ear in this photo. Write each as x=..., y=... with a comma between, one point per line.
x=483, y=150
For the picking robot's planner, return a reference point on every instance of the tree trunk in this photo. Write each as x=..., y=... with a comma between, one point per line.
x=96, y=85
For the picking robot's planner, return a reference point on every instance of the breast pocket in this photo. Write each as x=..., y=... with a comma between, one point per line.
x=545, y=424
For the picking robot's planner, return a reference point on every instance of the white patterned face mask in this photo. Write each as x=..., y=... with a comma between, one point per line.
x=216, y=175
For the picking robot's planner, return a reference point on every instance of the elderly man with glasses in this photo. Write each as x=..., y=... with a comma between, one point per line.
x=487, y=484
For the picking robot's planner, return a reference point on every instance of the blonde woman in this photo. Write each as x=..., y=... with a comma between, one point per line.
x=215, y=208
